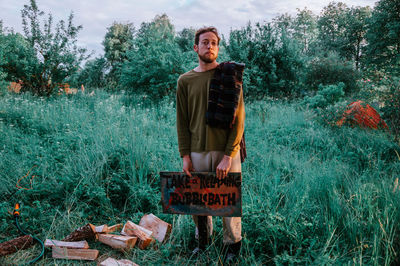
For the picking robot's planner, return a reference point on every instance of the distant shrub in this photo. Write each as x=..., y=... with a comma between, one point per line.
x=274, y=62
x=391, y=108
x=47, y=54
x=92, y=75
x=3, y=83
x=155, y=62
x=332, y=113
x=327, y=95
x=382, y=91
x=331, y=70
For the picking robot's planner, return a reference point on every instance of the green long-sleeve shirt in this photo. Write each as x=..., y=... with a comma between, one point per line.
x=194, y=135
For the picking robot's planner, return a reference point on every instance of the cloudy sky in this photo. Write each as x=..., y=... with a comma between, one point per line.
x=96, y=15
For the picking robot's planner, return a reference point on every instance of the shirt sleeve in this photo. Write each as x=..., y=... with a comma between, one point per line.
x=236, y=133
x=182, y=119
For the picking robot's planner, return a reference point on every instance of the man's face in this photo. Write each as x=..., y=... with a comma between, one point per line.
x=208, y=48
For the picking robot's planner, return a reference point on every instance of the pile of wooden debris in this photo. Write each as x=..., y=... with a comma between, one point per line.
x=75, y=245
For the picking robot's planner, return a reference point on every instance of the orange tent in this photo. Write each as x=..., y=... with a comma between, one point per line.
x=362, y=115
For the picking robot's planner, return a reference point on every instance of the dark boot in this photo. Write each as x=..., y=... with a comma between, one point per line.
x=232, y=252
x=204, y=238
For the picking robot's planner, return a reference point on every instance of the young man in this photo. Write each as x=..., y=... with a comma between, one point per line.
x=204, y=148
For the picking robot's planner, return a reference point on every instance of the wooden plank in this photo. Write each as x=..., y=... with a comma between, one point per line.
x=118, y=241
x=114, y=262
x=13, y=245
x=143, y=234
x=202, y=194
x=63, y=244
x=74, y=254
x=160, y=229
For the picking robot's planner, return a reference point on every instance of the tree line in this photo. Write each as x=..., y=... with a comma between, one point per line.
x=290, y=56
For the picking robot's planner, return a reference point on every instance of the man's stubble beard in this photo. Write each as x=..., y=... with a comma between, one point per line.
x=207, y=60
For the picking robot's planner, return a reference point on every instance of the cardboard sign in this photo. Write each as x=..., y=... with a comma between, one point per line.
x=201, y=194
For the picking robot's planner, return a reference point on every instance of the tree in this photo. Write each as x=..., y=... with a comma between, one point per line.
x=155, y=62
x=383, y=36
x=117, y=41
x=44, y=57
x=305, y=28
x=287, y=73
x=17, y=58
x=273, y=60
x=332, y=27
x=241, y=48
x=284, y=24
x=356, y=21
x=185, y=39
x=2, y=74
x=343, y=29
x=302, y=27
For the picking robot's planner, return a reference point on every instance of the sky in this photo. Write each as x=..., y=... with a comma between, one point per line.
x=96, y=15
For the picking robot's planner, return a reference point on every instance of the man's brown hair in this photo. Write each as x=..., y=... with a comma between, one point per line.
x=204, y=30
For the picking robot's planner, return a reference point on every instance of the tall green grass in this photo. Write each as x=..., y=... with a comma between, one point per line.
x=311, y=194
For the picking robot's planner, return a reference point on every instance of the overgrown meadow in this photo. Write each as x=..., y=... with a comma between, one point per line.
x=312, y=193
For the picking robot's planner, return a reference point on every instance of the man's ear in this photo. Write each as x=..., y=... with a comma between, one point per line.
x=195, y=48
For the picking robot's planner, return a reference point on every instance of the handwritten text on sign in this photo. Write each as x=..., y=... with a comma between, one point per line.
x=201, y=194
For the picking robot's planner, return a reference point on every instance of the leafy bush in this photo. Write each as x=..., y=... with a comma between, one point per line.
x=117, y=41
x=331, y=70
x=17, y=58
x=391, y=108
x=3, y=83
x=383, y=92
x=382, y=38
x=3, y=75
x=326, y=95
x=155, y=62
x=44, y=56
x=273, y=61
x=93, y=74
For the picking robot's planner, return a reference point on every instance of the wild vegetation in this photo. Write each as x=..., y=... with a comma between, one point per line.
x=313, y=193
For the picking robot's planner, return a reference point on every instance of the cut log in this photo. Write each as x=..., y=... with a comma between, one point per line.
x=117, y=241
x=63, y=244
x=143, y=234
x=160, y=229
x=114, y=262
x=101, y=228
x=114, y=228
x=13, y=245
x=86, y=232
x=74, y=254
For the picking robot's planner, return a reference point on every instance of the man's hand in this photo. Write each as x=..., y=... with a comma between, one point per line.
x=187, y=165
x=224, y=166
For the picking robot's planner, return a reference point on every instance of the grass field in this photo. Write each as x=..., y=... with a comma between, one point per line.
x=312, y=194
